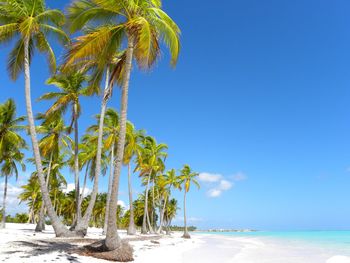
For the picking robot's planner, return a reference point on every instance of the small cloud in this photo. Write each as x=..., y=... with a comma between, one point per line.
x=209, y=177
x=223, y=186
x=71, y=187
x=12, y=202
x=122, y=203
x=239, y=177
x=214, y=193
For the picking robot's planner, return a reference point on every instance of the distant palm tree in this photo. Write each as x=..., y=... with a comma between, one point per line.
x=150, y=161
x=31, y=194
x=29, y=22
x=71, y=88
x=187, y=176
x=133, y=138
x=11, y=144
x=168, y=181
x=143, y=24
x=50, y=145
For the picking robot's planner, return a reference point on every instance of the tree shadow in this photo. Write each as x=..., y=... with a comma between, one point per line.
x=42, y=247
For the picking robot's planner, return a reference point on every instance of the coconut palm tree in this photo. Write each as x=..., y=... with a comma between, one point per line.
x=187, y=177
x=71, y=88
x=31, y=194
x=132, y=145
x=170, y=213
x=150, y=162
x=28, y=23
x=10, y=159
x=143, y=25
x=168, y=181
x=50, y=145
x=11, y=143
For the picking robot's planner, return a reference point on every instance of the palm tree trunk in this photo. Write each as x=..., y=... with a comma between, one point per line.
x=40, y=226
x=145, y=209
x=76, y=164
x=60, y=229
x=84, y=222
x=4, y=204
x=185, y=235
x=112, y=240
x=153, y=203
x=162, y=215
x=110, y=181
x=131, y=228
x=84, y=184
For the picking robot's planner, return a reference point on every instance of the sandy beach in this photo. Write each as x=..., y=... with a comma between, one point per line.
x=19, y=243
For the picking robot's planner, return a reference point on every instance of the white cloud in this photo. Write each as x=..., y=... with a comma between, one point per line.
x=122, y=203
x=71, y=187
x=12, y=201
x=225, y=185
x=191, y=219
x=209, y=177
x=239, y=176
x=214, y=193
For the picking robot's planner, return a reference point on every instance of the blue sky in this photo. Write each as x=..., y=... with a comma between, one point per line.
x=258, y=103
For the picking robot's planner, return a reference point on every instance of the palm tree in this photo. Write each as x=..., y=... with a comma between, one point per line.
x=170, y=213
x=131, y=147
x=144, y=24
x=187, y=176
x=10, y=145
x=29, y=22
x=31, y=194
x=70, y=85
x=50, y=145
x=167, y=182
x=10, y=159
x=150, y=161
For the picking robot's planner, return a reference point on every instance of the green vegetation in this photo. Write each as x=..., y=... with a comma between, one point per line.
x=95, y=56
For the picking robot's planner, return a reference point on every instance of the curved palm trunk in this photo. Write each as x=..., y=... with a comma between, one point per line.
x=186, y=234
x=153, y=204
x=110, y=181
x=40, y=226
x=145, y=209
x=84, y=222
x=4, y=205
x=162, y=216
x=76, y=165
x=84, y=184
x=131, y=228
x=112, y=240
x=60, y=229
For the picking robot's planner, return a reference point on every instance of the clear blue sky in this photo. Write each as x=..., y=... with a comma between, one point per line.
x=260, y=93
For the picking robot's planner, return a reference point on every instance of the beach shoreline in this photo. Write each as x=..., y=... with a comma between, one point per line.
x=19, y=243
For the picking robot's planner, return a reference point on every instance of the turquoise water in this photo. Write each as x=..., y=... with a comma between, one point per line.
x=325, y=239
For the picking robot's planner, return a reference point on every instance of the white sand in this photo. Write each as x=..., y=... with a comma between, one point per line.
x=19, y=243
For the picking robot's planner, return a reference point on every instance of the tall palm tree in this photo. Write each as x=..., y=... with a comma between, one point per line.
x=168, y=181
x=10, y=159
x=31, y=194
x=29, y=22
x=143, y=25
x=71, y=88
x=11, y=143
x=50, y=145
x=150, y=162
x=132, y=145
x=187, y=177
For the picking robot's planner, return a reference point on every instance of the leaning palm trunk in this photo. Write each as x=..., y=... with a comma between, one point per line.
x=112, y=240
x=40, y=226
x=84, y=222
x=145, y=209
x=131, y=228
x=4, y=205
x=110, y=181
x=76, y=165
x=159, y=231
x=186, y=234
x=60, y=229
x=84, y=185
